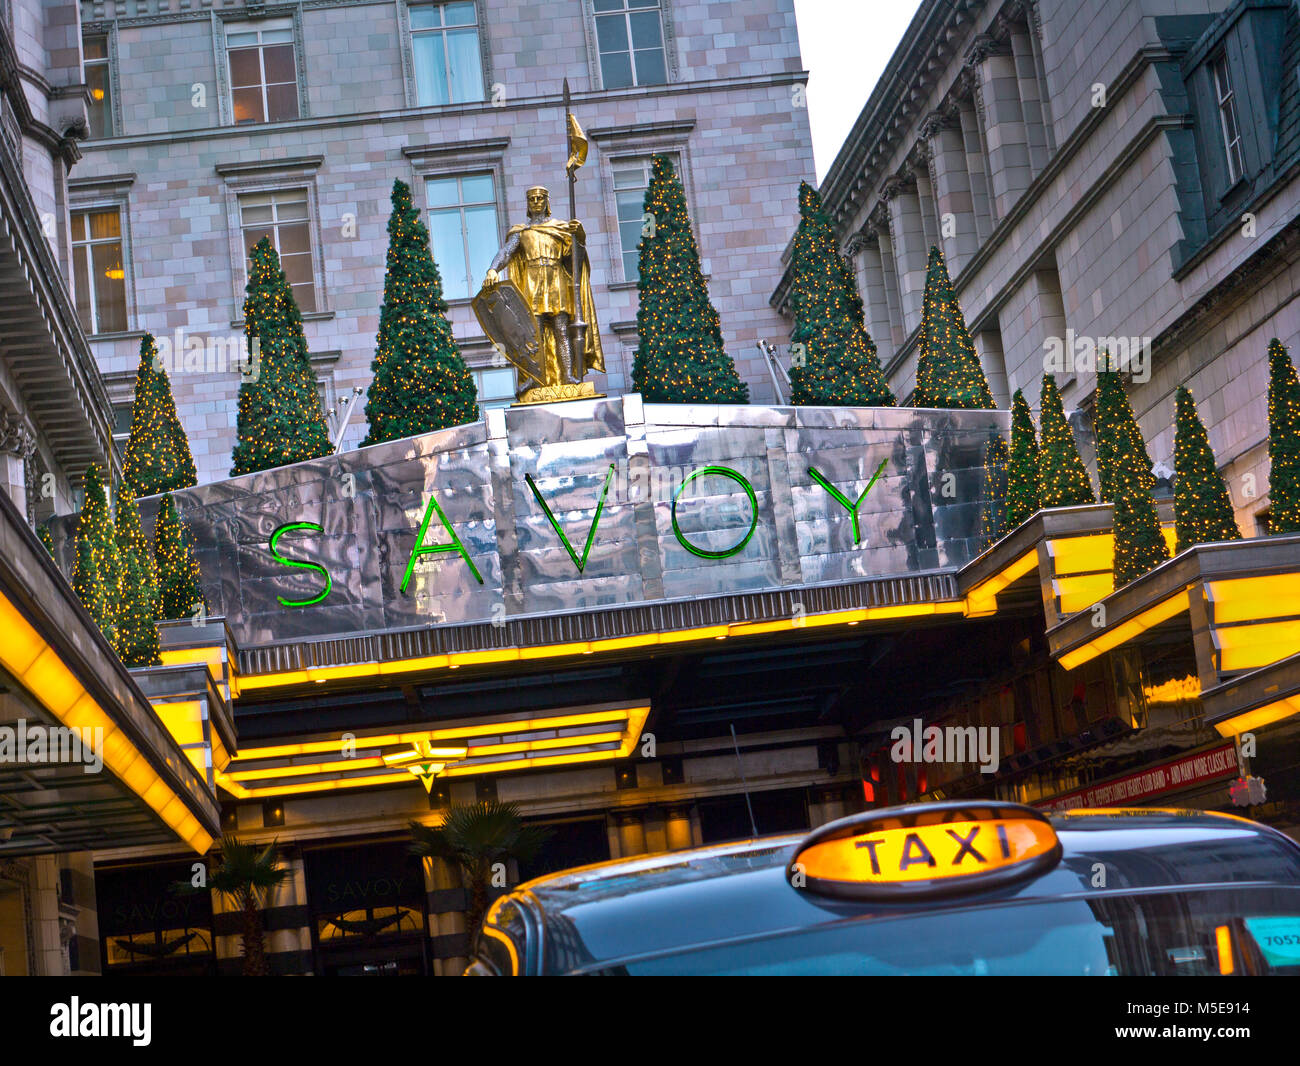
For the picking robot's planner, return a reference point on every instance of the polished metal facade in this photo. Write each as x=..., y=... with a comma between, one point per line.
x=922, y=514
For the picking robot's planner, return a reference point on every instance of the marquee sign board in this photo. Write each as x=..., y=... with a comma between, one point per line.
x=549, y=509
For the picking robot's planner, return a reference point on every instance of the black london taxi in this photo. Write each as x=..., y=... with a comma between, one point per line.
x=933, y=888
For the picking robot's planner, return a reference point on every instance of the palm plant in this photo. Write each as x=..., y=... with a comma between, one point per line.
x=475, y=837
x=247, y=878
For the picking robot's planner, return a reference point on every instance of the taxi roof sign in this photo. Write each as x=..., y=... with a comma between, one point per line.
x=925, y=849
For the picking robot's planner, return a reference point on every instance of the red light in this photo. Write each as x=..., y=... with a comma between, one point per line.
x=868, y=791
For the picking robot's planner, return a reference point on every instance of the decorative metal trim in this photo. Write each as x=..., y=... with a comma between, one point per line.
x=597, y=624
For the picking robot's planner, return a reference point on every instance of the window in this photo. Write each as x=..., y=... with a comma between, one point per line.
x=630, y=40
x=1228, y=119
x=631, y=179
x=282, y=216
x=98, y=274
x=122, y=414
x=496, y=388
x=463, y=228
x=100, y=86
x=444, y=43
x=263, y=72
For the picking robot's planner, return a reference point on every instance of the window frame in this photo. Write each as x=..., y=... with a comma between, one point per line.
x=1225, y=105
x=112, y=110
x=459, y=207
x=408, y=32
x=123, y=240
x=647, y=161
x=671, y=74
x=273, y=176
x=643, y=142
x=242, y=24
x=274, y=226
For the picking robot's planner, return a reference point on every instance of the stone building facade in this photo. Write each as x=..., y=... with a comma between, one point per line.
x=217, y=122
x=1106, y=174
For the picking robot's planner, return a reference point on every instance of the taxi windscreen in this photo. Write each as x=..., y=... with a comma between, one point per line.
x=1193, y=932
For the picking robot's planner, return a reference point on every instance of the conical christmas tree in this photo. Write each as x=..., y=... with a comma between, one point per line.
x=1202, y=510
x=137, y=632
x=1022, y=470
x=157, y=456
x=1139, y=544
x=420, y=381
x=1062, y=477
x=1120, y=447
x=180, y=593
x=96, y=575
x=838, y=365
x=280, y=417
x=1283, y=441
x=46, y=537
x=993, y=510
x=680, y=357
x=948, y=371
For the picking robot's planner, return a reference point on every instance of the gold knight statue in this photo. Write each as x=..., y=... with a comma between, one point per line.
x=538, y=258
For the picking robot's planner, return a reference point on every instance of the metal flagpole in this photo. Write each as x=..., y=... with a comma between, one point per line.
x=577, y=328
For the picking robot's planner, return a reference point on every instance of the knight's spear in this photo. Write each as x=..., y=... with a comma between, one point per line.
x=577, y=156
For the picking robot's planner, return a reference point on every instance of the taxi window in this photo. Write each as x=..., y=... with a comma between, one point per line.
x=1198, y=932
x=500, y=946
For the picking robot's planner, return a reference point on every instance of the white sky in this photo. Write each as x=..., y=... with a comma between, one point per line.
x=845, y=45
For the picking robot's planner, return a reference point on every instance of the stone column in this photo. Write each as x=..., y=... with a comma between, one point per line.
x=1031, y=102
x=907, y=235
x=17, y=447
x=892, y=301
x=631, y=833
x=988, y=344
x=972, y=144
x=925, y=196
x=446, y=902
x=872, y=286
x=1005, y=136
x=677, y=827
x=951, y=182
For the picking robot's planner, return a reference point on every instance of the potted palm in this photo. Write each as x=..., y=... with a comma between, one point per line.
x=247, y=877
x=474, y=838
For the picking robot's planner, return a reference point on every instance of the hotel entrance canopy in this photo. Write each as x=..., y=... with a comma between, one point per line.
x=124, y=781
x=592, y=527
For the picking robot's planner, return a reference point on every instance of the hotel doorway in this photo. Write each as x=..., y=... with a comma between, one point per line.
x=367, y=904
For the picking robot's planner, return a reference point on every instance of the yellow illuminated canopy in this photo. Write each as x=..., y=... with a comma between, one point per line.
x=926, y=849
x=464, y=747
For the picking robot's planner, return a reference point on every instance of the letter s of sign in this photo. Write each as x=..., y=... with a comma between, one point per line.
x=275, y=554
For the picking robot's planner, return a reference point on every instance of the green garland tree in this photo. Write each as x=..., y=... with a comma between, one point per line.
x=179, y=589
x=157, y=456
x=420, y=381
x=993, y=511
x=137, y=604
x=1283, y=441
x=1062, y=477
x=96, y=574
x=46, y=537
x=1022, y=466
x=280, y=418
x=948, y=371
x=837, y=365
x=680, y=357
x=1139, y=544
x=1121, y=451
x=1202, y=510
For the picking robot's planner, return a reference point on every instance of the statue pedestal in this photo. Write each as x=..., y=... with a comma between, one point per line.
x=584, y=390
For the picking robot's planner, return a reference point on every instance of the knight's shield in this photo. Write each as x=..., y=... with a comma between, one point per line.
x=511, y=325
